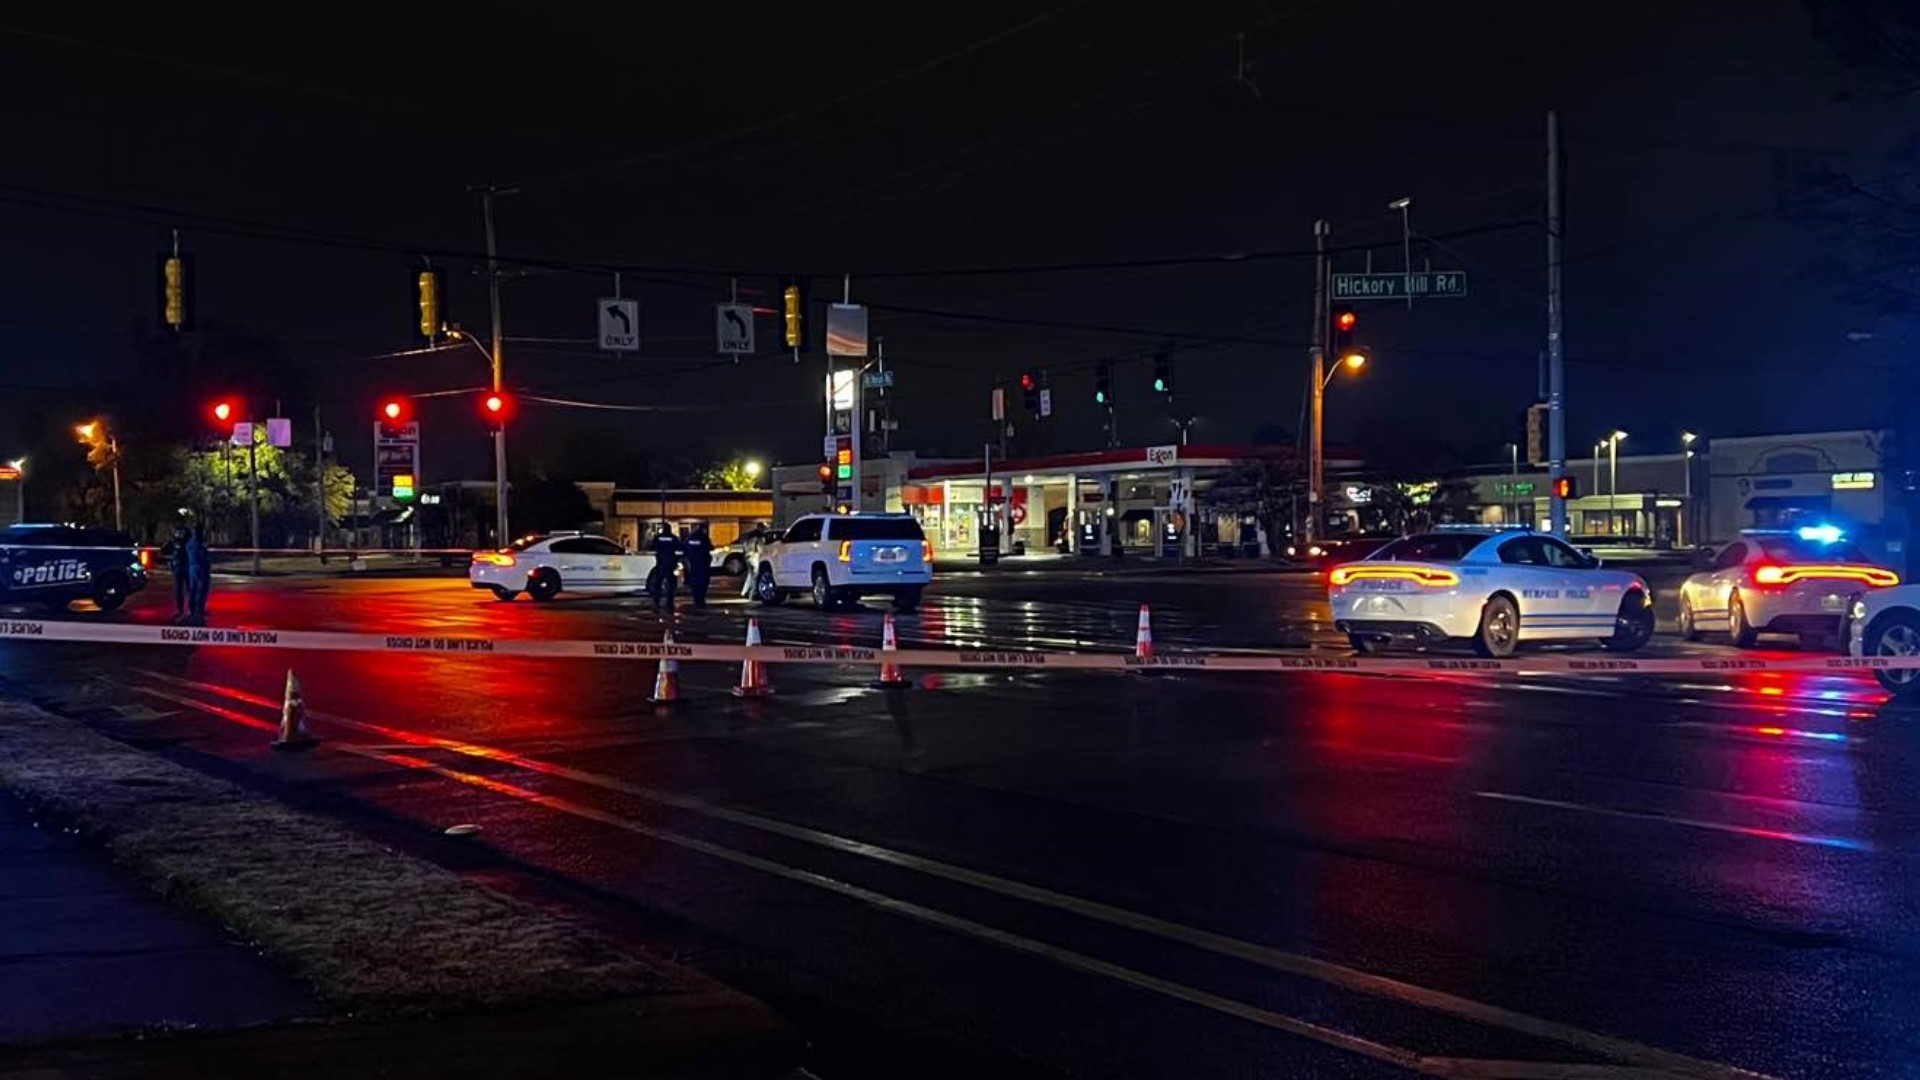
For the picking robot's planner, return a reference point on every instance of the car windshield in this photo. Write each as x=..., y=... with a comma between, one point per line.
x=1792, y=549
x=895, y=528
x=1429, y=547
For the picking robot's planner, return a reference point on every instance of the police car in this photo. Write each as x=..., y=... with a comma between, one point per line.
x=55, y=565
x=1782, y=581
x=1886, y=622
x=543, y=565
x=1495, y=588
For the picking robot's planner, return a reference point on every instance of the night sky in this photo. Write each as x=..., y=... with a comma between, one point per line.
x=900, y=146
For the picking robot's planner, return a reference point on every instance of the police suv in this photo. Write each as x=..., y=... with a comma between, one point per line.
x=1492, y=587
x=55, y=565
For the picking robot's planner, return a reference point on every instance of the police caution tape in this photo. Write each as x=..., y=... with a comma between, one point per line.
x=1001, y=659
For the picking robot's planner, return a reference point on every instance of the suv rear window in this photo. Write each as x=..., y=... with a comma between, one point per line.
x=1430, y=547
x=887, y=528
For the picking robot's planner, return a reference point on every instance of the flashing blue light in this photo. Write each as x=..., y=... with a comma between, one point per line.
x=1824, y=534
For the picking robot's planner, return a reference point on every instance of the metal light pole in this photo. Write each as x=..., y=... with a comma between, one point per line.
x=493, y=302
x=113, y=448
x=1613, y=480
x=1686, y=495
x=1405, y=205
x=20, y=466
x=1315, y=465
x=253, y=493
x=1513, y=479
x=1556, y=348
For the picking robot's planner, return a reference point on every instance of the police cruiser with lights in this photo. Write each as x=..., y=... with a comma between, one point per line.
x=1778, y=581
x=1495, y=588
x=55, y=565
x=542, y=565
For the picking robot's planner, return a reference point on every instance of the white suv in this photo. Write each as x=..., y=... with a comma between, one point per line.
x=838, y=558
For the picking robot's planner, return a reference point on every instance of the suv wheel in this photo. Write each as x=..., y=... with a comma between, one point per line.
x=110, y=592
x=823, y=597
x=765, y=589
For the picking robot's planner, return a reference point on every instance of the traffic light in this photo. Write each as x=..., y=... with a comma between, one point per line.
x=1163, y=374
x=224, y=411
x=395, y=413
x=826, y=478
x=496, y=407
x=428, y=293
x=1342, y=343
x=1103, y=384
x=176, y=291
x=1566, y=487
x=793, y=308
x=1030, y=391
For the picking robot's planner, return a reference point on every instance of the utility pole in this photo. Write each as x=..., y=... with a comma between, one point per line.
x=493, y=302
x=1316, y=477
x=253, y=492
x=1556, y=348
x=319, y=486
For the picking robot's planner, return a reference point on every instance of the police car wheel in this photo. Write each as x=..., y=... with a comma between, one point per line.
x=1633, y=627
x=734, y=566
x=1896, y=633
x=505, y=596
x=1689, y=628
x=109, y=593
x=1738, y=628
x=543, y=586
x=1499, y=632
x=1368, y=644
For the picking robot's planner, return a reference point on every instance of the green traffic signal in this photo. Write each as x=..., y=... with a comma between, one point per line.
x=1159, y=386
x=1100, y=397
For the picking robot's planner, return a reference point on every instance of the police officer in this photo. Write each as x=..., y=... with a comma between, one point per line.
x=199, y=573
x=666, y=558
x=176, y=553
x=698, y=549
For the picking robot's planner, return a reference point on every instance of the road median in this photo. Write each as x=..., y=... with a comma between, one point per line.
x=377, y=935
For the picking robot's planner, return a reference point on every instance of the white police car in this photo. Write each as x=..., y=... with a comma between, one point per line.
x=55, y=565
x=1495, y=588
x=543, y=565
x=1777, y=581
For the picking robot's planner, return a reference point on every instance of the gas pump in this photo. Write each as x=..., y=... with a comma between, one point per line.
x=987, y=526
x=1171, y=522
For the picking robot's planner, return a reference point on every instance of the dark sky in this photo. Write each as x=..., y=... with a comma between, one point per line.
x=905, y=142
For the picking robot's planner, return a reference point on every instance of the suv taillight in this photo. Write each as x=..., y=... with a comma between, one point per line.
x=846, y=551
x=926, y=552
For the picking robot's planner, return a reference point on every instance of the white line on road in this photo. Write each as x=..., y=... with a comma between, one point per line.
x=1308, y=967
x=1754, y=831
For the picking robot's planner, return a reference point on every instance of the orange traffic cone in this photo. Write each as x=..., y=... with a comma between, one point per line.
x=1143, y=641
x=753, y=673
x=666, y=682
x=890, y=675
x=293, y=718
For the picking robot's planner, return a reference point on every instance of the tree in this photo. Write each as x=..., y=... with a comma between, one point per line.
x=729, y=476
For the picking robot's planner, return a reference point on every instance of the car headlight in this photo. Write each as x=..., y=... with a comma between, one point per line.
x=1858, y=611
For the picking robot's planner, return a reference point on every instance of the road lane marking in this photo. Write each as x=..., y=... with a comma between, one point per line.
x=1692, y=823
x=1308, y=967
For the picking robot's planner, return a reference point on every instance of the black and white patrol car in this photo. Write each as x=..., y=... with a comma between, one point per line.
x=54, y=565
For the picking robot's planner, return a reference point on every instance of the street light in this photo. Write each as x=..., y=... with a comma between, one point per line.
x=1613, y=478
x=752, y=469
x=1405, y=205
x=94, y=433
x=19, y=467
x=1686, y=501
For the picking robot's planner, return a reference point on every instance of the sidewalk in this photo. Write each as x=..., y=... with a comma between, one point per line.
x=84, y=950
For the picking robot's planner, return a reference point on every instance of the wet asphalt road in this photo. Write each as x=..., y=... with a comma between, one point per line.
x=1171, y=876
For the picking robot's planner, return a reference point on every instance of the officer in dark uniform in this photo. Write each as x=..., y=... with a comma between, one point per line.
x=666, y=559
x=200, y=570
x=698, y=550
x=176, y=553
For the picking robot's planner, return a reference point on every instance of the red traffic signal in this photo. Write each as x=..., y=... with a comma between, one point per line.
x=1566, y=488
x=396, y=411
x=497, y=407
x=1026, y=380
x=225, y=411
x=1345, y=321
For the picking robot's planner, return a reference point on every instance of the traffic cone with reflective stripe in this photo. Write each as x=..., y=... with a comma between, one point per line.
x=753, y=673
x=666, y=682
x=1143, y=641
x=293, y=718
x=891, y=677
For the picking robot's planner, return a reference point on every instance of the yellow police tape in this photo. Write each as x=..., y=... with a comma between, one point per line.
x=590, y=649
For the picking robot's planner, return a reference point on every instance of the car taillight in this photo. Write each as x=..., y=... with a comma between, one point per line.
x=926, y=551
x=1874, y=576
x=146, y=558
x=1427, y=576
x=846, y=551
x=493, y=558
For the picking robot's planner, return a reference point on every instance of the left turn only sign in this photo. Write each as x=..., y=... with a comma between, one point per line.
x=619, y=325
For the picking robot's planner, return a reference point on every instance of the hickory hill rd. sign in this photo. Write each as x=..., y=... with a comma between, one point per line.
x=1421, y=285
